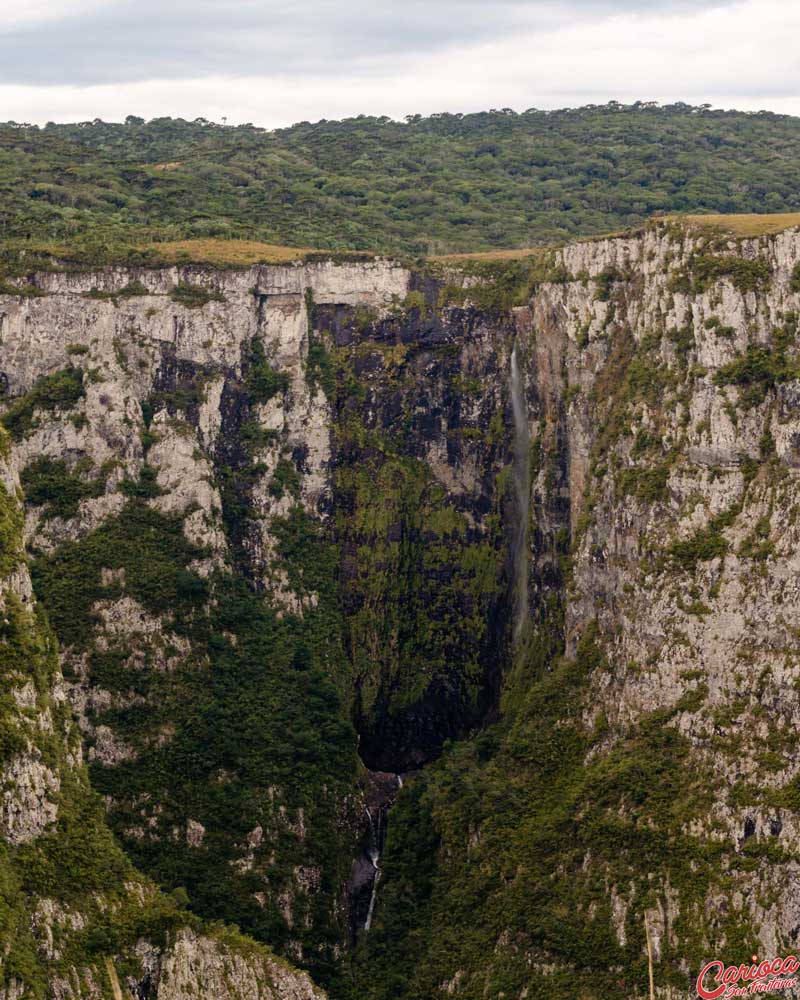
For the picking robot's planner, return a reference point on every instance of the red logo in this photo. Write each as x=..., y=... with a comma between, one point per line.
x=718, y=981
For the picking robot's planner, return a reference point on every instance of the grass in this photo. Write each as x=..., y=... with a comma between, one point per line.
x=243, y=253
x=745, y=225
x=737, y=225
x=22, y=257
x=235, y=252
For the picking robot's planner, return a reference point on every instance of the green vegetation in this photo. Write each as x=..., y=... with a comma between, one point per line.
x=132, y=289
x=194, y=296
x=422, y=588
x=320, y=369
x=757, y=371
x=150, y=547
x=605, y=282
x=48, y=483
x=485, y=868
x=24, y=291
x=495, y=282
x=76, y=863
x=706, y=268
x=719, y=328
x=444, y=183
x=758, y=546
x=421, y=584
x=647, y=483
x=262, y=381
x=527, y=841
x=10, y=532
x=285, y=479
x=60, y=391
x=250, y=695
x=75, y=866
x=707, y=543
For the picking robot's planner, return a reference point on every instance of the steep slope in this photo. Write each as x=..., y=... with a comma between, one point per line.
x=644, y=781
x=161, y=454
x=262, y=504
x=275, y=520
x=76, y=920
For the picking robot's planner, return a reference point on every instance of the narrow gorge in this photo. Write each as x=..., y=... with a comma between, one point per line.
x=433, y=626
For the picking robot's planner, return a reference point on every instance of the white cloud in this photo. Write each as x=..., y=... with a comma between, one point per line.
x=26, y=14
x=741, y=55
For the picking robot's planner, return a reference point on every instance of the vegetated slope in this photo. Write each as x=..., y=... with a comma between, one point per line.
x=643, y=778
x=428, y=185
x=271, y=505
x=76, y=920
x=242, y=539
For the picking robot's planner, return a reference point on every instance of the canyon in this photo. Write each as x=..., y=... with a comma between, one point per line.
x=430, y=628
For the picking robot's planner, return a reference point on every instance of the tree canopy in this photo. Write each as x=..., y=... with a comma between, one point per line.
x=448, y=182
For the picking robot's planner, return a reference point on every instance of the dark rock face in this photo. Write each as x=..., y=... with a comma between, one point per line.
x=304, y=544
x=419, y=446
x=317, y=565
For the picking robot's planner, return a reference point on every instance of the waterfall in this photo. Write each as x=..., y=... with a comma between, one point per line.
x=388, y=786
x=375, y=859
x=374, y=854
x=522, y=469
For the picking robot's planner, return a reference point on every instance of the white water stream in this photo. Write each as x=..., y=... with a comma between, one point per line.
x=522, y=471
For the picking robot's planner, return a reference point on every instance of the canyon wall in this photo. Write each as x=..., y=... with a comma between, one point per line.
x=271, y=517
x=77, y=922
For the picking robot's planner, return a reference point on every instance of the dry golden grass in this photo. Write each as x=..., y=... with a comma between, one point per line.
x=173, y=165
x=737, y=225
x=231, y=252
x=744, y=225
x=243, y=253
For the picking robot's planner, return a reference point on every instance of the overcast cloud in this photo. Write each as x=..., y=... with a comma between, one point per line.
x=274, y=63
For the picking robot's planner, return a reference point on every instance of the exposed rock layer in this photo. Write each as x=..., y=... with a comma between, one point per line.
x=332, y=437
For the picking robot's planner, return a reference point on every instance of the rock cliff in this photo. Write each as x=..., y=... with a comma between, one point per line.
x=76, y=920
x=271, y=516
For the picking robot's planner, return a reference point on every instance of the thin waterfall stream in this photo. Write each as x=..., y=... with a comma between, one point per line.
x=522, y=471
x=375, y=858
x=367, y=872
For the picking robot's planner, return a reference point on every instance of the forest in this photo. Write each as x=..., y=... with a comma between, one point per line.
x=426, y=185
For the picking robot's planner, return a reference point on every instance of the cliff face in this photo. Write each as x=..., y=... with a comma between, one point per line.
x=646, y=780
x=76, y=920
x=272, y=520
x=250, y=526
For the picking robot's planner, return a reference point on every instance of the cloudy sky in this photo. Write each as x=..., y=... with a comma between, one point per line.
x=273, y=63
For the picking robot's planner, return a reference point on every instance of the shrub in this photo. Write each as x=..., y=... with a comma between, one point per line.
x=262, y=381
x=704, y=269
x=49, y=484
x=145, y=487
x=756, y=371
x=706, y=544
x=194, y=296
x=605, y=282
x=285, y=479
x=61, y=390
x=319, y=369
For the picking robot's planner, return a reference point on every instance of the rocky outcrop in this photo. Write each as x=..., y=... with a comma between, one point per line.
x=72, y=910
x=271, y=515
x=647, y=754
x=199, y=966
x=312, y=454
